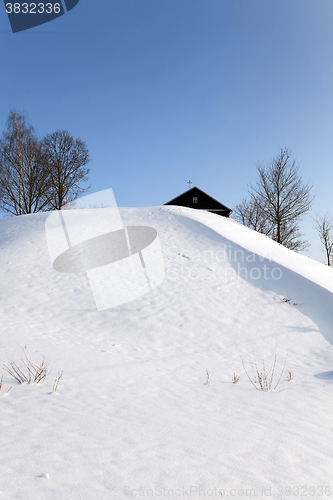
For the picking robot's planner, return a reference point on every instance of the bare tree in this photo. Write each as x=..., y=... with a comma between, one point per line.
x=65, y=160
x=23, y=181
x=324, y=226
x=38, y=175
x=283, y=198
x=251, y=214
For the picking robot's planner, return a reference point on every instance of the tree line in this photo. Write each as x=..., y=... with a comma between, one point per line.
x=39, y=175
x=277, y=203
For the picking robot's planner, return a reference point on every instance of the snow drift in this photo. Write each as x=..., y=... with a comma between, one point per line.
x=132, y=416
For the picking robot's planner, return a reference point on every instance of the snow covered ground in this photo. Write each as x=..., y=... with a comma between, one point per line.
x=133, y=416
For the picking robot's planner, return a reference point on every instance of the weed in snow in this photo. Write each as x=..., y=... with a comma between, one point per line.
x=265, y=377
x=56, y=382
x=31, y=374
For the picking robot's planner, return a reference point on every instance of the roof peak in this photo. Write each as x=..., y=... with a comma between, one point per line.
x=198, y=190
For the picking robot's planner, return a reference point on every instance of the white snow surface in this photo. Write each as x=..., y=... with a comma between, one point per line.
x=133, y=416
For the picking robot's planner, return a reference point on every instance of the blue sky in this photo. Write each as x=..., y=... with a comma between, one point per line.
x=163, y=91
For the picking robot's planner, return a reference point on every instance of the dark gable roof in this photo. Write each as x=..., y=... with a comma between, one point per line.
x=205, y=202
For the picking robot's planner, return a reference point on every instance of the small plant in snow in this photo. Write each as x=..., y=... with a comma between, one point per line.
x=56, y=382
x=290, y=375
x=288, y=301
x=31, y=373
x=235, y=378
x=264, y=377
x=207, y=378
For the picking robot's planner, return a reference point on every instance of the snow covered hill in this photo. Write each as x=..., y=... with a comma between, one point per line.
x=133, y=416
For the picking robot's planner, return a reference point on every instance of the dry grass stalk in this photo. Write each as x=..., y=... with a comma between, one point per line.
x=264, y=378
x=290, y=375
x=56, y=382
x=1, y=385
x=34, y=373
x=207, y=378
x=235, y=378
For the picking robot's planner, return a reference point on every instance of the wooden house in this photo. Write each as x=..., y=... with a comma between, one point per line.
x=195, y=198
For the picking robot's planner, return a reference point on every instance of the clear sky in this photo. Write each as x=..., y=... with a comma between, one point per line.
x=163, y=91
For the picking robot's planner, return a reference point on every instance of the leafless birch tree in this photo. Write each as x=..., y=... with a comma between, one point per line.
x=39, y=175
x=324, y=226
x=23, y=181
